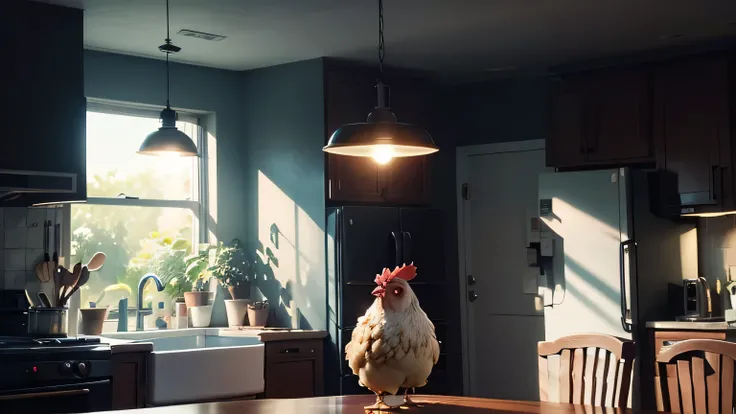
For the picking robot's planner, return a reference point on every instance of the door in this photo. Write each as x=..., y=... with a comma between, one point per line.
x=691, y=104
x=504, y=323
x=587, y=224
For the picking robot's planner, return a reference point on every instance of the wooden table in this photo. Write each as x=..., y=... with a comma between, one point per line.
x=354, y=404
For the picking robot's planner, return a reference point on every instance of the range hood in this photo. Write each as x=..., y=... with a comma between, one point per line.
x=20, y=182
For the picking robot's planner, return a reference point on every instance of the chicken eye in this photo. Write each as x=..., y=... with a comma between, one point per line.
x=398, y=291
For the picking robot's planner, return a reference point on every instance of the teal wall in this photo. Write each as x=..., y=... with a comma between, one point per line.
x=284, y=122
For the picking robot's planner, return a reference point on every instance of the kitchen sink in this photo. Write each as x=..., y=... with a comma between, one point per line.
x=192, y=365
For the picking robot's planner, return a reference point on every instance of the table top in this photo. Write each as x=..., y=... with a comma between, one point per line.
x=353, y=404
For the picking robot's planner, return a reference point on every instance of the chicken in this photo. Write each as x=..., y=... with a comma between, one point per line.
x=394, y=344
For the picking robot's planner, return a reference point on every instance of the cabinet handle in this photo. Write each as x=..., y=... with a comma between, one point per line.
x=289, y=351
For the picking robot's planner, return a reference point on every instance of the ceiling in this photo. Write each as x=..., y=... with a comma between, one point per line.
x=445, y=36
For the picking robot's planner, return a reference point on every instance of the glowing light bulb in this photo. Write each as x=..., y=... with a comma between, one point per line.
x=383, y=154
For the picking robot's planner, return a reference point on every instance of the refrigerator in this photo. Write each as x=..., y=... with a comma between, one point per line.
x=361, y=241
x=607, y=260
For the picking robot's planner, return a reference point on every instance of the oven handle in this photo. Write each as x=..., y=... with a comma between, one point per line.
x=45, y=394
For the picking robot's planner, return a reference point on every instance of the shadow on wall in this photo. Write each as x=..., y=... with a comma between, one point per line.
x=293, y=248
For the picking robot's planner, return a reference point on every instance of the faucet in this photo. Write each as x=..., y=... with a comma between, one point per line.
x=140, y=310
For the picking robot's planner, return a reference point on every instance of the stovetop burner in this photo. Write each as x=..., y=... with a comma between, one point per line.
x=21, y=342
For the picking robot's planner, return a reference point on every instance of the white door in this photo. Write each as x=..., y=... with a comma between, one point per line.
x=504, y=324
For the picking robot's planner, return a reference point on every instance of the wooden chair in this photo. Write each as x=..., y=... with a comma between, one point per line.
x=593, y=369
x=696, y=377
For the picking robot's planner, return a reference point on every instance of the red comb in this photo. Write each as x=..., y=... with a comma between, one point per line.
x=405, y=272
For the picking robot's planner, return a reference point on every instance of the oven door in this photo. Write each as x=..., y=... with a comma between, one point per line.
x=62, y=399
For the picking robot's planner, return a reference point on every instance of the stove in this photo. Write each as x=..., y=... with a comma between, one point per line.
x=60, y=375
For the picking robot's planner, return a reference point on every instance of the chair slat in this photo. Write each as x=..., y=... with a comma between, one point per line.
x=543, y=379
x=613, y=381
x=686, y=386
x=589, y=379
x=726, y=384
x=601, y=380
x=698, y=371
x=624, y=384
x=565, y=377
x=578, y=380
x=658, y=393
x=673, y=388
x=712, y=382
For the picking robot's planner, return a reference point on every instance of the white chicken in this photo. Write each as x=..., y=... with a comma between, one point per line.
x=394, y=344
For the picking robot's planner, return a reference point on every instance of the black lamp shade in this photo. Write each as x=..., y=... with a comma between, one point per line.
x=361, y=139
x=168, y=139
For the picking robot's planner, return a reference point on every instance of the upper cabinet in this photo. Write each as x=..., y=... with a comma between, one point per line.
x=45, y=115
x=600, y=118
x=692, y=130
x=350, y=96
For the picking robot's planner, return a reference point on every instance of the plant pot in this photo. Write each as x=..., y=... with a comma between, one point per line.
x=258, y=317
x=236, y=311
x=201, y=316
x=196, y=298
x=241, y=291
x=92, y=320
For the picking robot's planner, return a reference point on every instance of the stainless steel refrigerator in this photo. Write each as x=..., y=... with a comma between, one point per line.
x=611, y=258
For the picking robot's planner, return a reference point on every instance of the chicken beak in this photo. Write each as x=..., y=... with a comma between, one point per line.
x=379, y=292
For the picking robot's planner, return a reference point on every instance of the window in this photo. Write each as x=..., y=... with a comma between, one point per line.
x=142, y=211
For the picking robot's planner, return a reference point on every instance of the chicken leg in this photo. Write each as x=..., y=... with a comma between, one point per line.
x=379, y=405
x=408, y=402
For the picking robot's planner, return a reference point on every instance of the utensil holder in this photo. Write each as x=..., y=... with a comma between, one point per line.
x=48, y=322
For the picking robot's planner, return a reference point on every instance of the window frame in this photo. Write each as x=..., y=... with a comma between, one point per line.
x=199, y=207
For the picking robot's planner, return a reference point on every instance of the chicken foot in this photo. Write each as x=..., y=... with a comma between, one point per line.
x=408, y=402
x=379, y=405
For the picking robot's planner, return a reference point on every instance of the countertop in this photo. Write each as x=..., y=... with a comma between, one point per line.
x=122, y=346
x=276, y=334
x=689, y=326
x=353, y=404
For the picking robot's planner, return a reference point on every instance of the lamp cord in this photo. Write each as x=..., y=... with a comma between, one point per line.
x=168, y=42
x=381, y=45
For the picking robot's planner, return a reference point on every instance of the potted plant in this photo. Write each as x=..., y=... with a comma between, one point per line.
x=258, y=313
x=234, y=269
x=198, y=274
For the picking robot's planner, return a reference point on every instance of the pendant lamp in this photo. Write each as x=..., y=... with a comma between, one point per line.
x=381, y=136
x=168, y=139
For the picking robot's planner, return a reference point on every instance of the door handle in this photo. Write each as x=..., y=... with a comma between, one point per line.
x=623, y=248
x=407, y=247
x=471, y=280
x=472, y=296
x=397, y=249
x=46, y=394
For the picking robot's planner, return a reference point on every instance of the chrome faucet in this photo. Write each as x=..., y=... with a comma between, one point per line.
x=140, y=310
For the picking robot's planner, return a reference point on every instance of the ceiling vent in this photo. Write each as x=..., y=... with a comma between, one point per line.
x=201, y=35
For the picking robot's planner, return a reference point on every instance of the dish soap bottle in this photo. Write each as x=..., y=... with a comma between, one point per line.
x=160, y=314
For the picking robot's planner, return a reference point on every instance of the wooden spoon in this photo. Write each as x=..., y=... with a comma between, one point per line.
x=68, y=281
x=96, y=262
x=57, y=285
x=81, y=281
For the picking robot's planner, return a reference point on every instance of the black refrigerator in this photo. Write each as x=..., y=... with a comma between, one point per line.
x=361, y=241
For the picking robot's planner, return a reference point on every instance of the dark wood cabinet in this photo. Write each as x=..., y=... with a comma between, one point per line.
x=600, y=118
x=45, y=124
x=350, y=96
x=129, y=380
x=691, y=128
x=294, y=368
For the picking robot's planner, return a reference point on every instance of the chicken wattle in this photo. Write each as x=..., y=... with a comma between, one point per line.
x=394, y=344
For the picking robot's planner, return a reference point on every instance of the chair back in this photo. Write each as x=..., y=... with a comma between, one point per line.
x=593, y=369
x=696, y=377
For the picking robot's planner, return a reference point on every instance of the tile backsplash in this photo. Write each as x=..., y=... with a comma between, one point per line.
x=22, y=244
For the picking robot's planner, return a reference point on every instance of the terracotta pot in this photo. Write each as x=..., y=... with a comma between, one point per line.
x=241, y=291
x=92, y=320
x=258, y=317
x=196, y=298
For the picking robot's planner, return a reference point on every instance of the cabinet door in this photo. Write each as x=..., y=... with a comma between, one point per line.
x=46, y=123
x=690, y=102
x=407, y=180
x=128, y=381
x=566, y=144
x=355, y=179
x=619, y=118
x=371, y=240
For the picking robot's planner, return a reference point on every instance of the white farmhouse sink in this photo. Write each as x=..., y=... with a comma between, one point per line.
x=193, y=365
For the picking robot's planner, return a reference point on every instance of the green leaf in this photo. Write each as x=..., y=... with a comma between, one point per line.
x=180, y=244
